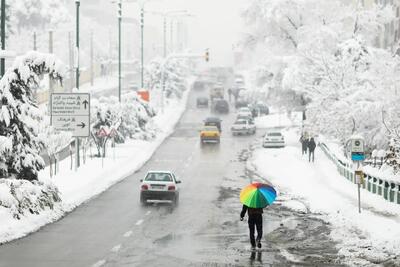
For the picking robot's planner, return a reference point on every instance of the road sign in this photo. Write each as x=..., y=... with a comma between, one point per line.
x=113, y=133
x=357, y=149
x=102, y=133
x=359, y=177
x=70, y=112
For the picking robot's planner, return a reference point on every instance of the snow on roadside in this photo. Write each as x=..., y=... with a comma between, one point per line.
x=93, y=179
x=275, y=120
x=373, y=234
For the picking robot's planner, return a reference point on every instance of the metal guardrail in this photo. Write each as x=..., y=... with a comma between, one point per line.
x=388, y=190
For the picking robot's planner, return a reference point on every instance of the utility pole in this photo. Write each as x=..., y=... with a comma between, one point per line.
x=165, y=36
x=34, y=41
x=91, y=59
x=119, y=49
x=51, y=85
x=171, y=40
x=142, y=46
x=3, y=37
x=77, y=163
x=71, y=61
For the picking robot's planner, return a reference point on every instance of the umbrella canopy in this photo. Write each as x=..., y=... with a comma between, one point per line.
x=257, y=195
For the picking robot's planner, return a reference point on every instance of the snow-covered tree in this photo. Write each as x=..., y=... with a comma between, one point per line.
x=176, y=71
x=20, y=116
x=39, y=13
x=129, y=118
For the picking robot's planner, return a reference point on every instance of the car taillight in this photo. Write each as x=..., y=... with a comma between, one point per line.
x=145, y=187
x=171, y=188
x=215, y=134
x=202, y=134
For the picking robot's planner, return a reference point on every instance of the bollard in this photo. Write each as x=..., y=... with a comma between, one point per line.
x=386, y=190
x=380, y=187
x=392, y=192
x=374, y=185
x=369, y=183
x=398, y=194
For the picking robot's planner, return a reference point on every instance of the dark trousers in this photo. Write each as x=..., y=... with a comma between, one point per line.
x=311, y=152
x=255, y=221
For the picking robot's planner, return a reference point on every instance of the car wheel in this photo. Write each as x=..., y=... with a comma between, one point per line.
x=175, y=200
x=143, y=200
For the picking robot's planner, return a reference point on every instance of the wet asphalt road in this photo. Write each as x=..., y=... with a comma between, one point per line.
x=114, y=229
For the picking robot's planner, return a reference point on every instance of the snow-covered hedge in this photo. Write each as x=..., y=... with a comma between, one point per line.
x=21, y=198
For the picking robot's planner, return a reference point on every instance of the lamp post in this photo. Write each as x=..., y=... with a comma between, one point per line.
x=119, y=49
x=77, y=2
x=142, y=45
x=3, y=36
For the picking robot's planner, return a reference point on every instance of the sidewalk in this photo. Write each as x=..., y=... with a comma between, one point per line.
x=326, y=192
x=91, y=178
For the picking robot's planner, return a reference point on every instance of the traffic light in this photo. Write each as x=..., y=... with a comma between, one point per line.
x=207, y=55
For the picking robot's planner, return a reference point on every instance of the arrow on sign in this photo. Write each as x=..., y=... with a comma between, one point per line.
x=85, y=103
x=82, y=125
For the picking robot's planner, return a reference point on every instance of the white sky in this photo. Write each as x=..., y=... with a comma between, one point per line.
x=216, y=25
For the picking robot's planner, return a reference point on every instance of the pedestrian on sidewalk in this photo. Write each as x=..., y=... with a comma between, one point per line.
x=255, y=221
x=230, y=94
x=304, y=144
x=311, y=148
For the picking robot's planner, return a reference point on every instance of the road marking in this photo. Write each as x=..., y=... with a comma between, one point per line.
x=148, y=213
x=128, y=234
x=116, y=248
x=99, y=263
x=139, y=222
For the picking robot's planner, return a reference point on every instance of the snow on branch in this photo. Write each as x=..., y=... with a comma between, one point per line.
x=19, y=115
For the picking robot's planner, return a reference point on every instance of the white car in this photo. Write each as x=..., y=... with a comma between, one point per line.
x=159, y=185
x=244, y=112
x=243, y=127
x=274, y=139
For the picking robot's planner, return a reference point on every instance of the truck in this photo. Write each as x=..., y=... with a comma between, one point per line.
x=217, y=93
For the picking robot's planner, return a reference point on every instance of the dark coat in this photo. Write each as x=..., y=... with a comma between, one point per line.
x=250, y=211
x=312, y=145
x=304, y=143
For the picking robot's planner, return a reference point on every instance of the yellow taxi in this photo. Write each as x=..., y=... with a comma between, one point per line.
x=210, y=134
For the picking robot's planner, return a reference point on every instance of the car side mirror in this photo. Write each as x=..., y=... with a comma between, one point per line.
x=178, y=181
x=141, y=180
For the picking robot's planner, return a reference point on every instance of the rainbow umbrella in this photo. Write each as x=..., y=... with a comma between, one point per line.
x=257, y=195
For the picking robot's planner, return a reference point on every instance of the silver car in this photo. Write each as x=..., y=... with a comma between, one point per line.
x=273, y=139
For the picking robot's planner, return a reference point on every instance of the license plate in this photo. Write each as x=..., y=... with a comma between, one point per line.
x=157, y=186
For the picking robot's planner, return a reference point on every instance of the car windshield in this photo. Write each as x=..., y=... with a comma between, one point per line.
x=274, y=134
x=210, y=128
x=159, y=177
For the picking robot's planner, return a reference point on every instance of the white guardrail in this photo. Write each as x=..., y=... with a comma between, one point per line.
x=389, y=190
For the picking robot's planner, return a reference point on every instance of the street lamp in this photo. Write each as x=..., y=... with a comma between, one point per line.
x=3, y=36
x=169, y=14
x=77, y=2
x=119, y=49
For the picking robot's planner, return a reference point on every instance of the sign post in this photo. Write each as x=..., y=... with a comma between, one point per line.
x=358, y=156
x=70, y=112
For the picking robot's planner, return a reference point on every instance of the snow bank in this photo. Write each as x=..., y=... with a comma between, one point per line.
x=278, y=120
x=21, y=201
x=91, y=179
x=327, y=193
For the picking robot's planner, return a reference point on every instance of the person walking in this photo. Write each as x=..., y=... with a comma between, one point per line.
x=311, y=148
x=304, y=144
x=255, y=221
x=230, y=94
